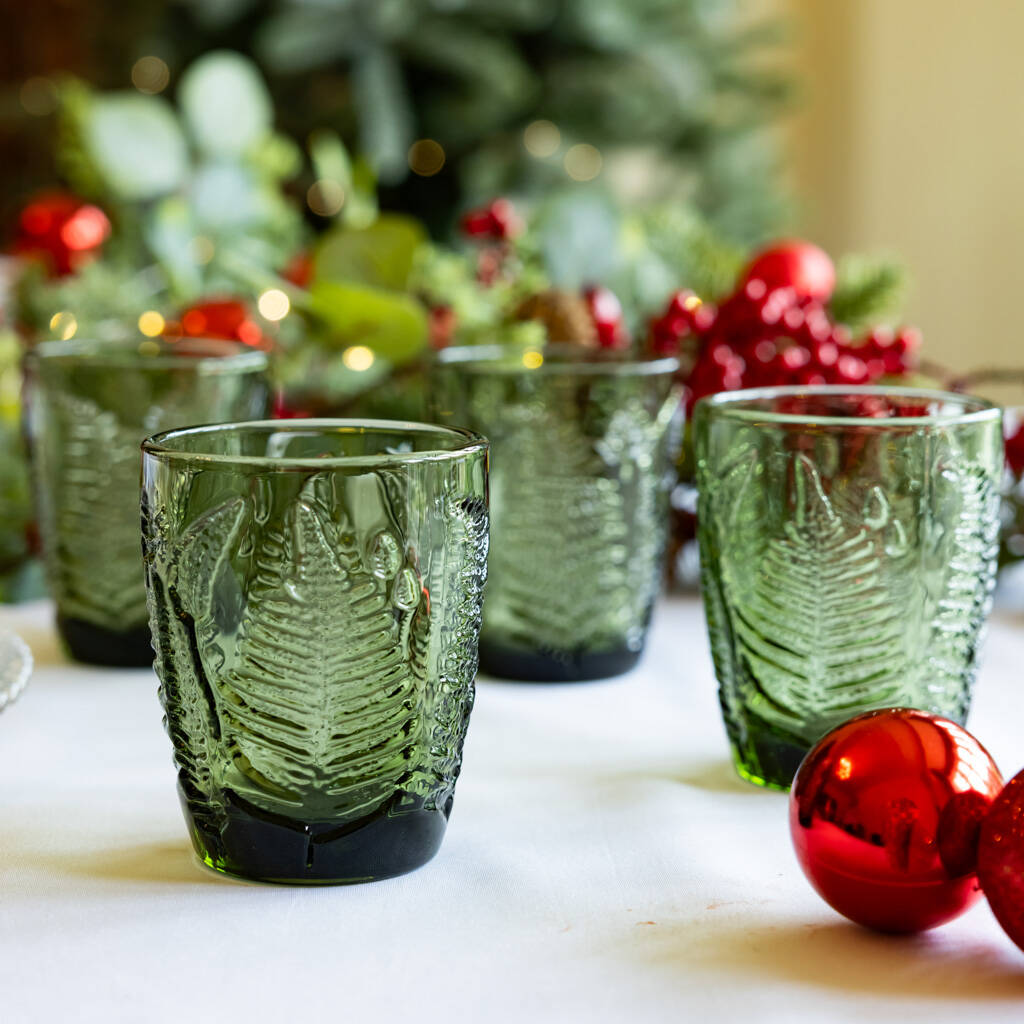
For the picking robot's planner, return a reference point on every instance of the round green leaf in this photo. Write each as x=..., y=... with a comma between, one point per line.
x=379, y=255
x=225, y=103
x=136, y=144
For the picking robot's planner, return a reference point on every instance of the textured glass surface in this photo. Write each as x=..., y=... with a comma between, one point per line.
x=848, y=547
x=88, y=408
x=315, y=595
x=579, y=481
x=15, y=667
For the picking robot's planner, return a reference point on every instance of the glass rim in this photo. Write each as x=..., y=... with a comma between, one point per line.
x=470, y=443
x=585, y=362
x=220, y=355
x=733, y=404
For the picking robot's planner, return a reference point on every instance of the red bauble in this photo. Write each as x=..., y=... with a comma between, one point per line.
x=63, y=230
x=801, y=266
x=1001, y=858
x=884, y=815
x=220, y=318
x=1013, y=433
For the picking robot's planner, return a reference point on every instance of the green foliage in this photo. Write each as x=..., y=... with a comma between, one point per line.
x=868, y=291
x=380, y=254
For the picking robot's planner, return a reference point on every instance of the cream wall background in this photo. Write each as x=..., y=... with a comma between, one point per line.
x=909, y=139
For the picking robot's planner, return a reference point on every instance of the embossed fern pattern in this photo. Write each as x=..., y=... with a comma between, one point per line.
x=97, y=502
x=182, y=589
x=564, y=522
x=969, y=550
x=817, y=630
x=319, y=707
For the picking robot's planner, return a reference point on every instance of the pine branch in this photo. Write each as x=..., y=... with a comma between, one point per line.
x=867, y=291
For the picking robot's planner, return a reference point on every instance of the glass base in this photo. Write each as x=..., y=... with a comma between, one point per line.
x=556, y=666
x=769, y=760
x=95, y=645
x=263, y=847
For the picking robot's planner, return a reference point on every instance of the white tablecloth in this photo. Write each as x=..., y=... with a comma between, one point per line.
x=603, y=863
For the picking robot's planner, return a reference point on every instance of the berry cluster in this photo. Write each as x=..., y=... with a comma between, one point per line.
x=766, y=336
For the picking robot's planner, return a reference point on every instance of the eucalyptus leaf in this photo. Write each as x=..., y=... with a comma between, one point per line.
x=580, y=237
x=392, y=324
x=170, y=233
x=385, y=112
x=225, y=103
x=135, y=144
x=380, y=255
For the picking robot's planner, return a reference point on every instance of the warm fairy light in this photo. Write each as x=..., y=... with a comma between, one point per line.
x=325, y=197
x=426, y=157
x=844, y=768
x=151, y=323
x=542, y=138
x=150, y=75
x=64, y=325
x=273, y=304
x=583, y=162
x=532, y=359
x=202, y=250
x=692, y=302
x=38, y=96
x=358, y=357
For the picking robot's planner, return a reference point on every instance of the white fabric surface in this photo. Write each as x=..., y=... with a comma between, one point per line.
x=603, y=863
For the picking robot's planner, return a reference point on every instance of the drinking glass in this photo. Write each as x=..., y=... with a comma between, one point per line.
x=579, y=498
x=88, y=407
x=848, y=542
x=315, y=590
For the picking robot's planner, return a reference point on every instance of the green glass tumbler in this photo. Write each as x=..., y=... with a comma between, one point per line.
x=88, y=406
x=315, y=590
x=848, y=541
x=579, y=501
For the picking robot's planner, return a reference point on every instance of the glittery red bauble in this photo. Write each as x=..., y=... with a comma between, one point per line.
x=61, y=229
x=885, y=813
x=1001, y=858
x=801, y=266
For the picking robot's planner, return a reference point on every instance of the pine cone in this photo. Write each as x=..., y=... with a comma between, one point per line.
x=565, y=316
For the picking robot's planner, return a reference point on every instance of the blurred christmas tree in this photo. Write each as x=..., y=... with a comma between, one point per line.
x=513, y=96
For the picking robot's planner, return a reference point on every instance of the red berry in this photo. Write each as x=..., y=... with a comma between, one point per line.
x=1014, y=442
x=222, y=318
x=61, y=229
x=606, y=312
x=851, y=369
x=796, y=264
x=507, y=223
x=478, y=224
x=795, y=357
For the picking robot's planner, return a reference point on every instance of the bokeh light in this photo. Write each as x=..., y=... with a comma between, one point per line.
x=273, y=304
x=358, y=357
x=325, y=197
x=583, y=162
x=426, y=157
x=542, y=138
x=151, y=323
x=38, y=96
x=533, y=359
x=64, y=325
x=86, y=228
x=150, y=75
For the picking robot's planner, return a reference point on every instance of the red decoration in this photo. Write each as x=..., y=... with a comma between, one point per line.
x=762, y=336
x=1001, y=858
x=299, y=270
x=61, y=229
x=442, y=322
x=884, y=816
x=219, y=318
x=606, y=311
x=1013, y=425
x=798, y=265
x=498, y=221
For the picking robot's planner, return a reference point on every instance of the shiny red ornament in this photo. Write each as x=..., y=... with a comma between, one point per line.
x=885, y=813
x=62, y=230
x=805, y=268
x=1001, y=858
x=220, y=318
